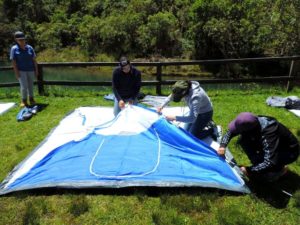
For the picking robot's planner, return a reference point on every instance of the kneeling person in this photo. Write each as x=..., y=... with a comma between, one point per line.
x=200, y=106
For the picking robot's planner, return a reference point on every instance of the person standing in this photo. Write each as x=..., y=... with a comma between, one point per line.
x=269, y=145
x=25, y=67
x=199, y=104
x=126, y=84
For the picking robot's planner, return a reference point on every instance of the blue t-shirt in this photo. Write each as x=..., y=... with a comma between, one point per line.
x=23, y=57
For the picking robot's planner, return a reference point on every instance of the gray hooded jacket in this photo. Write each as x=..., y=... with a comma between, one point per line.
x=197, y=101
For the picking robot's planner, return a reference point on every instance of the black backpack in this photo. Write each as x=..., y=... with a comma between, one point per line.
x=292, y=103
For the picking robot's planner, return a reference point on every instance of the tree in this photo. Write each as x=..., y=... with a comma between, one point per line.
x=285, y=22
x=34, y=10
x=160, y=35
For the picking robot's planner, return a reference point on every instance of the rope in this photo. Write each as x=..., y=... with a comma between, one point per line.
x=125, y=176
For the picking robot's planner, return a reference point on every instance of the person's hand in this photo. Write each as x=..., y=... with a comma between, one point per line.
x=17, y=76
x=171, y=118
x=130, y=102
x=221, y=151
x=159, y=109
x=244, y=170
x=121, y=104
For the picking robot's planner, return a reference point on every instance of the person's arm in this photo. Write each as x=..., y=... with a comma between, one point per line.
x=270, y=142
x=194, y=110
x=36, y=70
x=15, y=67
x=14, y=63
x=166, y=102
x=115, y=85
x=224, y=142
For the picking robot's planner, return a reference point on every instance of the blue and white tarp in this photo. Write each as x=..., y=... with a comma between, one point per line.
x=137, y=148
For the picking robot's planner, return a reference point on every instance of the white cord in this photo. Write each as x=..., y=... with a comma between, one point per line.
x=126, y=176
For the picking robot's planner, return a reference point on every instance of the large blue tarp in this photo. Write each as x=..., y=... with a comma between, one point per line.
x=126, y=152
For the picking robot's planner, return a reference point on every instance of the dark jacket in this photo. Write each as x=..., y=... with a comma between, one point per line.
x=266, y=145
x=126, y=86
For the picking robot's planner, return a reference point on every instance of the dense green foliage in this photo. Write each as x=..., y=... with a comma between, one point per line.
x=267, y=204
x=195, y=29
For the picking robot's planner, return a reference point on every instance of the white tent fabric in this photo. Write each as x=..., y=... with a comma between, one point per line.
x=295, y=111
x=73, y=127
x=4, y=107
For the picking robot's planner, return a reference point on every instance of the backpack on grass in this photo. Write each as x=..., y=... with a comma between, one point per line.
x=24, y=114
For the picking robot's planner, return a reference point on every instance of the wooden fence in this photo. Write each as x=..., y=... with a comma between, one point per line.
x=289, y=77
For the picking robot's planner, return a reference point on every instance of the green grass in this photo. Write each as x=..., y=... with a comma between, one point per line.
x=267, y=204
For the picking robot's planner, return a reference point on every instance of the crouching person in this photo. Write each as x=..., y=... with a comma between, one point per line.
x=269, y=145
x=199, y=104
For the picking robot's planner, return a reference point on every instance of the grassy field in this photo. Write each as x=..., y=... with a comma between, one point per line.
x=267, y=204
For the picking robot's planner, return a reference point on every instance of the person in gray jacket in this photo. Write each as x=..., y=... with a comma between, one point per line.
x=201, y=110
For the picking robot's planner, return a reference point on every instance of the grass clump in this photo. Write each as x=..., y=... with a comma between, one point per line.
x=297, y=199
x=165, y=216
x=188, y=203
x=31, y=216
x=233, y=215
x=34, y=210
x=79, y=205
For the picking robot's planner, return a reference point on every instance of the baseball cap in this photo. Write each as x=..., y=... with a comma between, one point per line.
x=124, y=61
x=179, y=90
x=19, y=35
x=244, y=122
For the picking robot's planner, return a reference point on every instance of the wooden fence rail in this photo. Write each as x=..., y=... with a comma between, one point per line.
x=291, y=75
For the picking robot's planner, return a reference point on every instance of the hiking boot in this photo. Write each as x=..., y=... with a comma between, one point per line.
x=31, y=101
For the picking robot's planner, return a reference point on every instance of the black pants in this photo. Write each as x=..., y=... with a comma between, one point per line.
x=254, y=150
x=197, y=128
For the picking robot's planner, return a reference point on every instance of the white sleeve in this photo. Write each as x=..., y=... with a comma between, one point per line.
x=169, y=98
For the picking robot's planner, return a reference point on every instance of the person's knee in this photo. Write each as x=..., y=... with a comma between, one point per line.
x=291, y=156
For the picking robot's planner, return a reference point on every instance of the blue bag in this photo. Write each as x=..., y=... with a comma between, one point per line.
x=24, y=114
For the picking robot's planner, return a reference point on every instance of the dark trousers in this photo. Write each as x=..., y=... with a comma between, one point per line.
x=197, y=128
x=254, y=150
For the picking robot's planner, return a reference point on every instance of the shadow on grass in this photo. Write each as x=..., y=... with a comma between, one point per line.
x=278, y=193
x=41, y=106
x=140, y=192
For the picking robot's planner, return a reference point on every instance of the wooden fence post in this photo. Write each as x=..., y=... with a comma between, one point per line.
x=40, y=80
x=158, y=78
x=288, y=86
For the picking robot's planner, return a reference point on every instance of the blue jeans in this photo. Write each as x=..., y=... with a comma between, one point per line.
x=26, y=84
x=117, y=109
x=196, y=128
